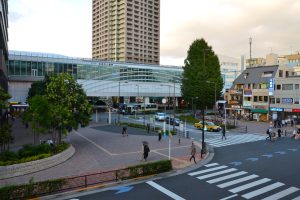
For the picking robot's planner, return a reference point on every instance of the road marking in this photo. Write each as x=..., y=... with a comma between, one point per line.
x=165, y=191
x=229, y=197
x=226, y=177
x=237, y=181
x=297, y=198
x=95, y=144
x=262, y=190
x=249, y=185
x=216, y=173
x=282, y=194
x=207, y=170
x=211, y=165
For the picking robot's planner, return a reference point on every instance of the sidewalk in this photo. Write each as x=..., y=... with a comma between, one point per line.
x=103, y=148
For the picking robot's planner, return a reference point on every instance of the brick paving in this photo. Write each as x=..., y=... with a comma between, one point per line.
x=104, y=149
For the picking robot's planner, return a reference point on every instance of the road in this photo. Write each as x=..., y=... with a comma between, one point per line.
x=254, y=170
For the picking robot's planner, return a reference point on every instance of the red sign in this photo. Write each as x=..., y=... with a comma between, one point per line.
x=296, y=110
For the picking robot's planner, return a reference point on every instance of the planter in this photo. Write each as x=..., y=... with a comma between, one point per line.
x=37, y=165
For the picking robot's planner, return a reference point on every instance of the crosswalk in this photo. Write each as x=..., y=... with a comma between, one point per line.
x=232, y=139
x=244, y=184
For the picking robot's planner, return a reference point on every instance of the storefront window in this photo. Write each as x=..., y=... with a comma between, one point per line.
x=296, y=100
x=277, y=100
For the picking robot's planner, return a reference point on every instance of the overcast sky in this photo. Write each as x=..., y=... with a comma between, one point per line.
x=65, y=27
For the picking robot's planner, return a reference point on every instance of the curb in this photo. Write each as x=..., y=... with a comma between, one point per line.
x=15, y=170
x=104, y=187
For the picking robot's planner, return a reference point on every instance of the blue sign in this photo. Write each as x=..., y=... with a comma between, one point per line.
x=287, y=100
x=277, y=109
x=271, y=87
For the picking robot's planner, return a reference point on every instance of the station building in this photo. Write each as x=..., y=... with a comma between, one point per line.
x=110, y=80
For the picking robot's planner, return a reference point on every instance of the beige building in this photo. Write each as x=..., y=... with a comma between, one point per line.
x=126, y=30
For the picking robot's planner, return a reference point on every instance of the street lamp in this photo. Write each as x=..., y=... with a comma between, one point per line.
x=138, y=94
x=215, y=84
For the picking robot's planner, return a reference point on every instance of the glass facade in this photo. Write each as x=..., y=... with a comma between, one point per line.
x=29, y=64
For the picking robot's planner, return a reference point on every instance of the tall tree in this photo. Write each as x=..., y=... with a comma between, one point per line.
x=38, y=88
x=69, y=104
x=201, y=74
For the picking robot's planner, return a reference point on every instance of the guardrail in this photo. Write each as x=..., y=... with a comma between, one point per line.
x=66, y=184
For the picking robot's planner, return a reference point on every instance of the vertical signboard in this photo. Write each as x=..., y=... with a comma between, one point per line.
x=271, y=87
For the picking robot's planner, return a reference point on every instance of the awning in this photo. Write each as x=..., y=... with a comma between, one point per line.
x=259, y=111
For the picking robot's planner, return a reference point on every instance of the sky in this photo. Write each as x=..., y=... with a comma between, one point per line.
x=65, y=27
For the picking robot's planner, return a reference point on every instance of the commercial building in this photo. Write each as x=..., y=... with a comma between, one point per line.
x=269, y=92
x=3, y=43
x=105, y=79
x=126, y=30
x=230, y=69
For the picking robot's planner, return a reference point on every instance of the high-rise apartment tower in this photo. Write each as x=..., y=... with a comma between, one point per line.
x=3, y=44
x=126, y=30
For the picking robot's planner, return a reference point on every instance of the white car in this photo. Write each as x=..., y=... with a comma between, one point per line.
x=160, y=116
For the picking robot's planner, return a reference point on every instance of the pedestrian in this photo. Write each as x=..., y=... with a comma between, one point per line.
x=269, y=134
x=223, y=133
x=124, y=131
x=159, y=135
x=146, y=150
x=279, y=133
x=193, y=152
x=292, y=123
x=282, y=123
x=148, y=128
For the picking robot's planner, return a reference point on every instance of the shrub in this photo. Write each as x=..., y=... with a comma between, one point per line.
x=8, y=155
x=30, y=150
x=31, y=189
x=145, y=169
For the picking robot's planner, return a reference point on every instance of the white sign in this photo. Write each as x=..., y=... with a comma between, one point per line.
x=181, y=127
x=164, y=100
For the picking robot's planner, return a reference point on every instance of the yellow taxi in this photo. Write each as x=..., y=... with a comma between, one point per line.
x=210, y=126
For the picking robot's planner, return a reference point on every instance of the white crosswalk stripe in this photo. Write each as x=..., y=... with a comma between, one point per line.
x=282, y=194
x=207, y=170
x=216, y=173
x=226, y=177
x=249, y=185
x=262, y=190
x=234, y=139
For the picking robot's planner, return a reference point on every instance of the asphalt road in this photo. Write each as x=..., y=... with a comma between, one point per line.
x=254, y=170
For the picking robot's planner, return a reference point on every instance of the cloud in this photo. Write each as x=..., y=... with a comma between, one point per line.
x=65, y=26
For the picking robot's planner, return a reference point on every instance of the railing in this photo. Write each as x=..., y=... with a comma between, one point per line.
x=83, y=181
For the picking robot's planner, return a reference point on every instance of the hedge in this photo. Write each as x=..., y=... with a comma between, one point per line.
x=31, y=153
x=145, y=169
x=31, y=189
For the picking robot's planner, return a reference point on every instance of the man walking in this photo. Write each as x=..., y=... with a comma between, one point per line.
x=279, y=133
x=193, y=153
x=146, y=150
x=223, y=133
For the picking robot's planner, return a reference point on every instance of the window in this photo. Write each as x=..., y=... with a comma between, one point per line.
x=263, y=86
x=277, y=100
x=255, y=99
x=296, y=86
x=296, y=100
x=278, y=87
x=287, y=86
x=246, y=75
x=260, y=98
x=272, y=100
x=267, y=74
x=265, y=98
x=280, y=73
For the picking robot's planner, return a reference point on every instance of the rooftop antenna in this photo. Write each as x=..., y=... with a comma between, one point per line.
x=250, y=43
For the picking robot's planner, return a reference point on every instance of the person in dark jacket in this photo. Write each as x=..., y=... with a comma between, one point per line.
x=146, y=151
x=223, y=133
x=279, y=133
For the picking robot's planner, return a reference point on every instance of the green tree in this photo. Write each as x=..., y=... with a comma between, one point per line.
x=38, y=88
x=69, y=104
x=5, y=128
x=38, y=115
x=201, y=73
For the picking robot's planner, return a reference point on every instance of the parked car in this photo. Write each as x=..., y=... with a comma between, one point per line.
x=160, y=116
x=210, y=126
x=171, y=120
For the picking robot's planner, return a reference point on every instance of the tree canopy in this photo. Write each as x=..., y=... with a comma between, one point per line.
x=64, y=104
x=201, y=74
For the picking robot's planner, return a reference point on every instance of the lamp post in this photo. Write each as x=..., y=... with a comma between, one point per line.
x=138, y=94
x=203, y=110
x=119, y=104
x=215, y=84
